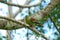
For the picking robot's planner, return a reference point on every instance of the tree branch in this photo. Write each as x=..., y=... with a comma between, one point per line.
x=22, y=6
x=54, y=23
x=37, y=32
x=3, y=24
x=21, y=23
x=9, y=19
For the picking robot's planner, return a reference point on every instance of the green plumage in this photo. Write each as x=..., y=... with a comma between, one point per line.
x=28, y=21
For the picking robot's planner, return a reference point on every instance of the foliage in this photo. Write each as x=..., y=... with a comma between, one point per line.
x=56, y=14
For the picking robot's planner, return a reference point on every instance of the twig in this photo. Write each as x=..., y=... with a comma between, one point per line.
x=54, y=23
x=17, y=13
